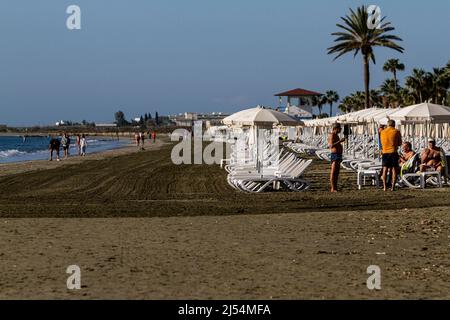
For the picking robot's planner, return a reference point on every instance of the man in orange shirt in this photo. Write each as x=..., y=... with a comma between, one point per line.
x=391, y=140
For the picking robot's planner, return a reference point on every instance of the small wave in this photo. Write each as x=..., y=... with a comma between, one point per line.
x=10, y=153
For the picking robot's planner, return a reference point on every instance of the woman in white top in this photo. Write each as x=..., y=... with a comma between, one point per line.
x=83, y=145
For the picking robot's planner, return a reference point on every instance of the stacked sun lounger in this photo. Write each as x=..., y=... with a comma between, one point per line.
x=279, y=172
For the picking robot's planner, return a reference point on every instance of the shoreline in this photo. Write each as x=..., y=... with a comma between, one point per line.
x=18, y=167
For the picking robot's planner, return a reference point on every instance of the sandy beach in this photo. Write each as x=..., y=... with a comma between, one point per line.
x=141, y=227
x=287, y=256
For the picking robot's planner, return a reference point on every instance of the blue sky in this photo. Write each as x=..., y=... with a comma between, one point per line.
x=172, y=56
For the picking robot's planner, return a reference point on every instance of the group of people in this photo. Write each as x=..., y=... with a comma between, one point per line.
x=64, y=142
x=139, y=138
x=390, y=142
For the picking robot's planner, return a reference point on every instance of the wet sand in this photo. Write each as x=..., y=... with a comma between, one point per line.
x=141, y=227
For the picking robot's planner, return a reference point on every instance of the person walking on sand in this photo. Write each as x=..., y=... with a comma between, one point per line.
x=154, y=136
x=335, y=145
x=391, y=140
x=68, y=144
x=137, y=138
x=142, y=140
x=83, y=145
x=79, y=144
x=65, y=144
x=54, y=145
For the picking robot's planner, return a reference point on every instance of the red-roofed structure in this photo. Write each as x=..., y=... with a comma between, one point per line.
x=302, y=109
x=299, y=92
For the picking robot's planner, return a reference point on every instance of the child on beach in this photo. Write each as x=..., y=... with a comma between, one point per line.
x=83, y=145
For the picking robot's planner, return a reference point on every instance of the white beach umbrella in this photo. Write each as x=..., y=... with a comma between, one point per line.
x=383, y=116
x=260, y=116
x=423, y=115
x=349, y=117
x=257, y=118
x=424, y=112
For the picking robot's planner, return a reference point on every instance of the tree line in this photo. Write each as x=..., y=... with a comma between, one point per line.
x=420, y=86
x=145, y=120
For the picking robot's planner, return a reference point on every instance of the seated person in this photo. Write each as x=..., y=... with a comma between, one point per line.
x=431, y=157
x=407, y=153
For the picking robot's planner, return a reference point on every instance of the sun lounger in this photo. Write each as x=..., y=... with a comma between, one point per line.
x=289, y=176
x=415, y=179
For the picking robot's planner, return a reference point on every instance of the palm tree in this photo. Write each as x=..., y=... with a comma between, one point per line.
x=388, y=87
x=331, y=97
x=318, y=101
x=417, y=83
x=439, y=82
x=394, y=65
x=356, y=36
x=405, y=97
x=375, y=98
x=346, y=104
x=358, y=99
x=391, y=92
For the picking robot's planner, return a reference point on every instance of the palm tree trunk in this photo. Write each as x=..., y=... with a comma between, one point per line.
x=395, y=79
x=366, y=80
x=331, y=109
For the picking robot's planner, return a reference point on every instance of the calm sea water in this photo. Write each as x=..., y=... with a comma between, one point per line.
x=16, y=149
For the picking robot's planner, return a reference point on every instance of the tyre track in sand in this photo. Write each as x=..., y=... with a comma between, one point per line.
x=148, y=184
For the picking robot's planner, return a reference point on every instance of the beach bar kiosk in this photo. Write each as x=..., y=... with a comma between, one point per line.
x=296, y=104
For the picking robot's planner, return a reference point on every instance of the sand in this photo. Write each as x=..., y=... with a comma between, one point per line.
x=142, y=228
x=287, y=256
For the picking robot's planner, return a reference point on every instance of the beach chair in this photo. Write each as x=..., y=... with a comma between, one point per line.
x=292, y=181
x=371, y=170
x=290, y=177
x=415, y=179
x=288, y=162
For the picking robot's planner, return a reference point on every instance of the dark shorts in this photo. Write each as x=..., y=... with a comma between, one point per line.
x=390, y=160
x=336, y=157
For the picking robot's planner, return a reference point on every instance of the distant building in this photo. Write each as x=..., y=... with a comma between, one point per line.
x=106, y=125
x=188, y=118
x=212, y=119
x=165, y=121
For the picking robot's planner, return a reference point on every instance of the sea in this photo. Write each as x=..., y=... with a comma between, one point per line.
x=18, y=148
